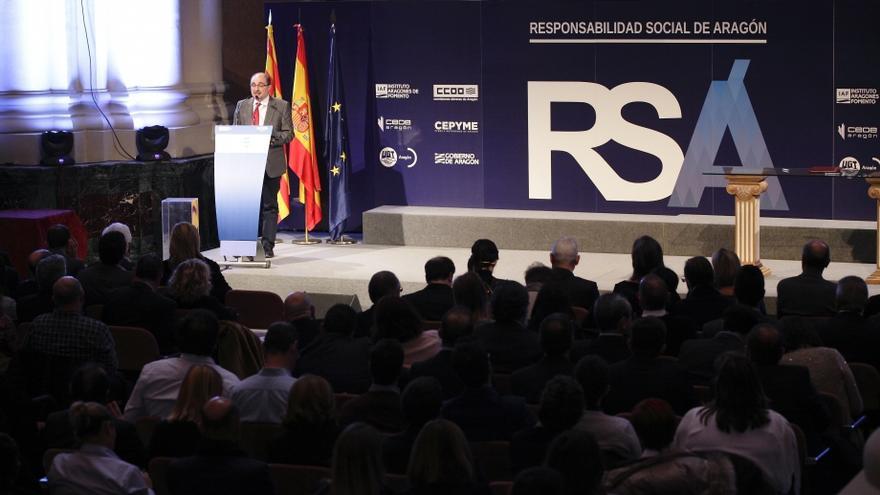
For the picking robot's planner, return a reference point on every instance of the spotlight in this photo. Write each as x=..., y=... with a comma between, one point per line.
x=151, y=143
x=56, y=147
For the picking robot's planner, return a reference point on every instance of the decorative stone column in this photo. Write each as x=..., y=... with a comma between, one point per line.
x=874, y=193
x=746, y=191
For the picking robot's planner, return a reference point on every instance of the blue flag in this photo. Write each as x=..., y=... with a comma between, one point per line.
x=336, y=154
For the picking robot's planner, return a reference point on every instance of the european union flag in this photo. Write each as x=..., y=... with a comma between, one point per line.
x=336, y=154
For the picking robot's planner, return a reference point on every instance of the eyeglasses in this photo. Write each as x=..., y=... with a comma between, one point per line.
x=259, y=85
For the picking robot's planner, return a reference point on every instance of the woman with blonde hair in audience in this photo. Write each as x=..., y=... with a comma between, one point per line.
x=179, y=433
x=726, y=265
x=310, y=426
x=357, y=463
x=185, y=244
x=441, y=462
x=190, y=287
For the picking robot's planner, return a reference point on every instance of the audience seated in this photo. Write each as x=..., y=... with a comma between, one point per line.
x=310, y=426
x=99, y=278
x=556, y=338
x=510, y=345
x=470, y=291
x=654, y=299
x=14, y=480
x=552, y=298
x=420, y=402
x=739, y=422
x=538, y=480
x=748, y=290
x=726, y=265
x=179, y=434
x=616, y=437
x=61, y=242
x=536, y=275
x=703, y=302
x=575, y=454
x=48, y=271
x=94, y=467
x=123, y=229
x=564, y=258
x=681, y=473
x=480, y=411
x=613, y=316
x=857, y=338
x=654, y=422
x=262, y=398
x=456, y=324
x=671, y=279
x=697, y=356
x=647, y=255
x=562, y=405
x=139, y=305
x=299, y=311
x=807, y=294
x=380, y=405
x=484, y=257
x=185, y=245
x=382, y=284
x=336, y=354
x=396, y=319
x=29, y=285
x=645, y=375
x=190, y=287
x=436, y=298
x=157, y=388
x=441, y=462
x=219, y=466
x=357, y=463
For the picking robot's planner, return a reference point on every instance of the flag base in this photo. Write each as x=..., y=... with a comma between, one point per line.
x=306, y=241
x=342, y=241
x=245, y=261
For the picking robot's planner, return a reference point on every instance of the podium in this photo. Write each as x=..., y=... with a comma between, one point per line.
x=239, y=165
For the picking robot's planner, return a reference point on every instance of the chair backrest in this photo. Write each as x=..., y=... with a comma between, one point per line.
x=868, y=380
x=501, y=487
x=835, y=409
x=145, y=427
x=501, y=382
x=297, y=480
x=49, y=456
x=256, y=308
x=158, y=470
x=135, y=347
x=255, y=438
x=493, y=458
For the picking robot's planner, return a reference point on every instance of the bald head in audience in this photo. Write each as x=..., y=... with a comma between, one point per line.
x=816, y=255
x=35, y=258
x=220, y=420
x=298, y=306
x=764, y=344
x=67, y=294
x=653, y=294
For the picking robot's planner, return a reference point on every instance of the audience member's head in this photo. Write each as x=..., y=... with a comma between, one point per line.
x=816, y=255
x=421, y=400
x=698, y=272
x=557, y=334
x=851, y=294
x=49, y=270
x=396, y=319
x=591, y=373
x=122, y=229
x=311, y=402
x=538, y=480
x=670, y=278
x=469, y=291
x=35, y=257
x=111, y=248
x=739, y=403
x=149, y=269
x=340, y=319
x=484, y=256
x=740, y=319
x=190, y=281
x=562, y=403
x=749, y=286
x=279, y=345
x=612, y=313
x=441, y=456
x=537, y=274
x=564, y=253
x=726, y=265
x=655, y=424
x=58, y=237
x=197, y=333
x=90, y=383
x=456, y=323
x=646, y=256
x=92, y=423
x=552, y=298
x=68, y=294
x=201, y=383
x=510, y=302
x=576, y=455
x=184, y=243
x=647, y=337
x=220, y=420
x=764, y=344
x=386, y=362
x=10, y=463
x=471, y=364
x=439, y=269
x=297, y=306
x=653, y=294
x=383, y=284
x=357, y=461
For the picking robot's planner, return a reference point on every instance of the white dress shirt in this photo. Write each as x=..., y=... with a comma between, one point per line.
x=264, y=105
x=97, y=470
x=262, y=398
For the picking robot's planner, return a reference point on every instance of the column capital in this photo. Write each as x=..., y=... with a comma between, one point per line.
x=746, y=186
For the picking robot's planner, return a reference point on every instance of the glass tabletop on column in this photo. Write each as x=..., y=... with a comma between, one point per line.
x=864, y=171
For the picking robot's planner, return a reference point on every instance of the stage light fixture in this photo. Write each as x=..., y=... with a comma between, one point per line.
x=151, y=143
x=56, y=147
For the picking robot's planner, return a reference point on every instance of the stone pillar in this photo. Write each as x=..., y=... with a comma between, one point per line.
x=746, y=190
x=874, y=193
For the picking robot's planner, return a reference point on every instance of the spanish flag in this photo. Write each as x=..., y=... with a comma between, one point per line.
x=303, y=158
x=272, y=70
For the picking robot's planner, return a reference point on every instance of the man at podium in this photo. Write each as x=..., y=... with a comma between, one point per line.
x=262, y=109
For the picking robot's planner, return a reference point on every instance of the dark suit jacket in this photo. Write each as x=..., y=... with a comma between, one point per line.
x=99, y=279
x=379, y=408
x=440, y=367
x=703, y=304
x=510, y=345
x=792, y=395
x=138, y=305
x=611, y=347
x=528, y=447
x=697, y=356
x=318, y=439
x=857, y=338
x=278, y=116
x=636, y=379
x=485, y=415
x=807, y=294
x=219, y=468
x=175, y=439
x=341, y=360
x=529, y=382
x=365, y=323
x=581, y=292
x=33, y=305
x=678, y=329
x=432, y=302
x=397, y=448
x=630, y=291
